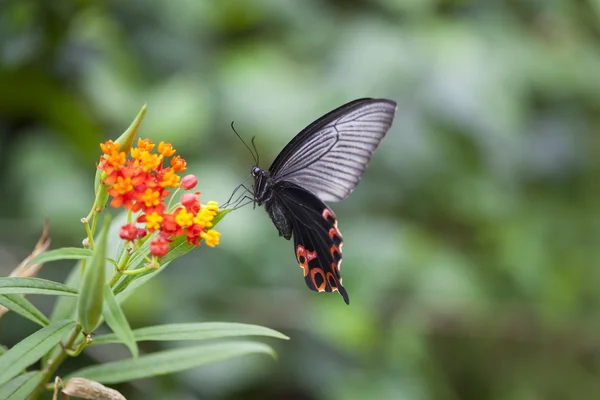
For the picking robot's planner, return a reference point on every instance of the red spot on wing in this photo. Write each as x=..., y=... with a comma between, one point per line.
x=304, y=257
x=327, y=213
x=334, y=232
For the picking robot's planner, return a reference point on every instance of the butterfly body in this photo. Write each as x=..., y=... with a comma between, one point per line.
x=324, y=162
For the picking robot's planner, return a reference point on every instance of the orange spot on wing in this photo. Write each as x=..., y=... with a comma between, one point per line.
x=321, y=287
x=334, y=287
x=335, y=252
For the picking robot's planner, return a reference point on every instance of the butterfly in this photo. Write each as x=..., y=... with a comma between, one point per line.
x=324, y=162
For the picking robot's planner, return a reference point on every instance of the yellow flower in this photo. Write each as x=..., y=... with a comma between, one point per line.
x=211, y=237
x=204, y=218
x=151, y=197
x=153, y=221
x=184, y=218
x=212, y=206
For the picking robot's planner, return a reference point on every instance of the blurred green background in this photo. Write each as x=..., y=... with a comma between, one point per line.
x=472, y=244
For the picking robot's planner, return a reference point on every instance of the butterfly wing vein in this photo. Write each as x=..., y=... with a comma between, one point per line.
x=329, y=156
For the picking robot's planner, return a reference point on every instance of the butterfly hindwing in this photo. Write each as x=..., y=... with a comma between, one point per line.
x=317, y=239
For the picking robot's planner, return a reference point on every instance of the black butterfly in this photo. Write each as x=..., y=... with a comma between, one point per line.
x=324, y=162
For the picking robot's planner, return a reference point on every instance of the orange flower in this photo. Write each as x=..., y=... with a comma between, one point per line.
x=141, y=183
x=166, y=149
x=178, y=164
x=170, y=179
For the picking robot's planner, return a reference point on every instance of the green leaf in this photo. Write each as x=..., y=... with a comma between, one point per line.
x=193, y=331
x=66, y=307
x=90, y=300
x=101, y=192
x=31, y=349
x=117, y=321
x=65, y=253
x=125, y=142
x=14, y=285
x=24, y=308
x=121, y=297
x=220, y=215
x=177, y=248
x=169, y=361
x=20, y=387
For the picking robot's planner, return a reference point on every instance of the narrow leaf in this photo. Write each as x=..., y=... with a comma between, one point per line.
x=125, y=141
x=65, y=253
x=169, y=361
x=34, y=286
x=31, y=349
x=220, y=215
x=66, y=307
x=193, y=331
x=21, y=386
x=117, y=321
x=24, y=308
x=90, y=300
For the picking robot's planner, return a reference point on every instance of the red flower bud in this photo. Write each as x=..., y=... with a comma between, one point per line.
x=191, y=202
x=129, y=232
x=189, y=182
x=159, y=246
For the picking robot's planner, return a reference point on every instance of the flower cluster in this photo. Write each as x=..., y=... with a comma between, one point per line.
x=142, y=183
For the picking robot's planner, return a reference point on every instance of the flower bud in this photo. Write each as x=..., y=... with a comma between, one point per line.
x=189, y=182
x=159, y=246
x=129, y=232
x=191, y=202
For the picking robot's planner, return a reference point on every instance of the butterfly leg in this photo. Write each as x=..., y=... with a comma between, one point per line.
x=241, y=203
x=241, y=185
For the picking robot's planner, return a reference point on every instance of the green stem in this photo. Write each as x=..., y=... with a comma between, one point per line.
x=93, y=210
x=115, y=278
x=89, y=233
x=172, y=197
x=138, y=270
x=53, y=366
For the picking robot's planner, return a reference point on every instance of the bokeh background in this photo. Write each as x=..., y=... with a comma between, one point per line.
x=472, y=244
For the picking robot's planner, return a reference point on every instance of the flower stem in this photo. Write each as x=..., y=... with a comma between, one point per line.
x=138, y=270
x=89, y=233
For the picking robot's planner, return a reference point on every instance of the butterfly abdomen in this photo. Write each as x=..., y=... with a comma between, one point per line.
x=280, y=219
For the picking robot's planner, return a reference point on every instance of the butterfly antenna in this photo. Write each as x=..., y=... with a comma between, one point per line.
x=255, y=150
x=254, y=156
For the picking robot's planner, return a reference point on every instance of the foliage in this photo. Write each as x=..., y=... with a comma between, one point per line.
x=471, y=244
x=140, y=186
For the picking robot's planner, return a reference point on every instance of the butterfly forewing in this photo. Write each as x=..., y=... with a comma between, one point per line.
x=330, y=155
x=317, y=239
